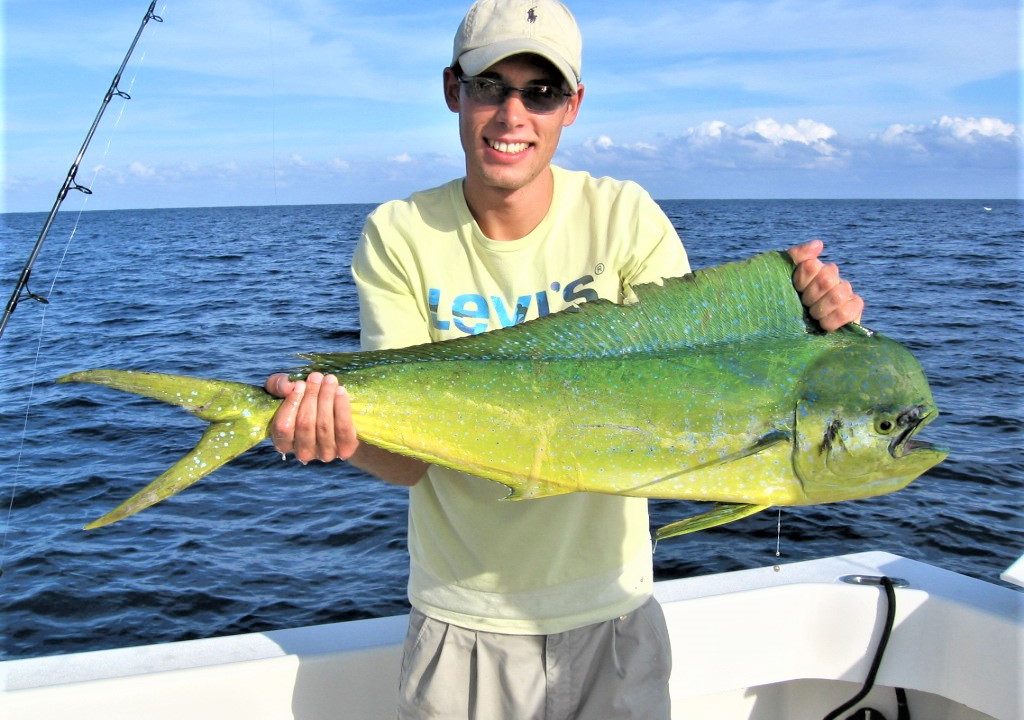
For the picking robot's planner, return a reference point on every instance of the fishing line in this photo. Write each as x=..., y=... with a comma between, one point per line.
x=273, y=106
x=778, y=534
x=21, y=286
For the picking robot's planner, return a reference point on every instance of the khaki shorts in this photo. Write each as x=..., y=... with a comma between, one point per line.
x=606, y=671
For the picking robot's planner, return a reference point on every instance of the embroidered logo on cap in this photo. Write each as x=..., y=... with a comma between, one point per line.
x=531, y=15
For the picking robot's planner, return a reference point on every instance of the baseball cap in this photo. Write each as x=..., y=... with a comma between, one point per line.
x=496, y=29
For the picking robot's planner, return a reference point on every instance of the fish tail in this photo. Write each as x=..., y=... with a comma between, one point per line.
x=239, y=417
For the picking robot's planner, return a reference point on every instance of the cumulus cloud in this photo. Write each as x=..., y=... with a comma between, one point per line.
x=803, y=132
x=948, y=130
x=947, y=157
x=806, y=143
x=764, y=142
x=604, y=144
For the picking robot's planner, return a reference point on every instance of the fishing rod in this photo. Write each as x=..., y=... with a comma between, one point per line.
x=69, y=182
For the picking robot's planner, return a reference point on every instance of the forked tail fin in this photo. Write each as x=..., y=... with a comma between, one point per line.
x=239, y=417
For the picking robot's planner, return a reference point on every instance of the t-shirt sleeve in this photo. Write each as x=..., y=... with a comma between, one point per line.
x=657, y=251
x=390, y=313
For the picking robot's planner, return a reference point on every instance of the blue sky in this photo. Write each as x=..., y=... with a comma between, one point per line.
x=324, y=101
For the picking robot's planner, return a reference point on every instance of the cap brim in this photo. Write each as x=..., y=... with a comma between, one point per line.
x=474, y=62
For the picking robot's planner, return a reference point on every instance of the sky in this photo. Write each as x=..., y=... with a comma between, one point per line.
x=326, y=101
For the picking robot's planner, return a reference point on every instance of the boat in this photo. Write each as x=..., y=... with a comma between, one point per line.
x=792, y=641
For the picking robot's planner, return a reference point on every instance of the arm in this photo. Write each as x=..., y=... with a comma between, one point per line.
x=830, y=299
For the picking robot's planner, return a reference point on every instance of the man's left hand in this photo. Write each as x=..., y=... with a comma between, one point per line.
x=830, y=299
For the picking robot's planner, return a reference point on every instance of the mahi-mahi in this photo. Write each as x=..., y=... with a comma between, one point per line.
x=715, y=386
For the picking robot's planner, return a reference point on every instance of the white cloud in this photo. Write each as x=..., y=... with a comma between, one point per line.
x=804, y=132
x=140, y=170
x=948, y=157
x=952, y=134
x=402, y=159
x=706, y=132
x=604, y=143
x=761, y=142
x=970, y=129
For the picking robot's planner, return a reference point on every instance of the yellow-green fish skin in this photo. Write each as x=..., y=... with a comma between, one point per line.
x=714, y=387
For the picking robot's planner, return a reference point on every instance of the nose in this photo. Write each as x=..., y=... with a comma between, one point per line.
x=512, y=111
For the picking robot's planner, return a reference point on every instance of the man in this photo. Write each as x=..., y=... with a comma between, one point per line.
x=539, y=609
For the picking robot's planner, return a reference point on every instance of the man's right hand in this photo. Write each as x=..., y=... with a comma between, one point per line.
x=315, y=420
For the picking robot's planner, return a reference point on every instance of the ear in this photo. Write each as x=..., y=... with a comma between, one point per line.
x=572, y=108
x=451, y=89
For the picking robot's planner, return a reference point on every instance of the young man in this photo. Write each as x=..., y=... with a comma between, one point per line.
x=539, y=609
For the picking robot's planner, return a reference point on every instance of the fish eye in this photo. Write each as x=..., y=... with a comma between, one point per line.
x=884, y=426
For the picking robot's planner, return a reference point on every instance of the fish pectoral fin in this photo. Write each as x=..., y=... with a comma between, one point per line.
x=721, y=514
x=533, y=491
x=769, y=439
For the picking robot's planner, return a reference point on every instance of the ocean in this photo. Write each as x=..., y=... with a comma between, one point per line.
x=235, y=293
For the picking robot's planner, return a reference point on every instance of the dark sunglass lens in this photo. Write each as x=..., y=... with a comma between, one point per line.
x=542, y=98
x=485, y=90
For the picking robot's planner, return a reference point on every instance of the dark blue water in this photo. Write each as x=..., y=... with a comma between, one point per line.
x=236, y=292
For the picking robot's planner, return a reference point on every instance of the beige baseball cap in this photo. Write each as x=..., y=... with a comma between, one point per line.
x=496, y=29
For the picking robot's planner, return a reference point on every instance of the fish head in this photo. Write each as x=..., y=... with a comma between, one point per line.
x=862, y=404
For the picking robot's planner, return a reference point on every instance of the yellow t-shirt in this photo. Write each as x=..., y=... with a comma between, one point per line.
x=425, y=272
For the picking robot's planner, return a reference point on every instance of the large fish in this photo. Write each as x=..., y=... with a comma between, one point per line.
x=716, y=386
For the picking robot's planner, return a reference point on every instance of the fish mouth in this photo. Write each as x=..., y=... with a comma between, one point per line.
x=913, y=420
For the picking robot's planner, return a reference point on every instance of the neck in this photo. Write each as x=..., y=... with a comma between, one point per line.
x=504, y=214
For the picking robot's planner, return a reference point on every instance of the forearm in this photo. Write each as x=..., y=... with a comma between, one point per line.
x=388, y=466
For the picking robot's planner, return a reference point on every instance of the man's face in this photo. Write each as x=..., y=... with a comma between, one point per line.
x=507, y=146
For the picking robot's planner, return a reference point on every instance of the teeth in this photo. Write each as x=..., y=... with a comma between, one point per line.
x=508, y=147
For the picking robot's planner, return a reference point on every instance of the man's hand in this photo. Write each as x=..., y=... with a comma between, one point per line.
x=315, y=419
x=830, y=299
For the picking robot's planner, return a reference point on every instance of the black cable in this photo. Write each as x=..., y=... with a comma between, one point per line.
x=903, y=709
x=890, y=616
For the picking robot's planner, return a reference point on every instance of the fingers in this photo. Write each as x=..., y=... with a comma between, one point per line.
x=315, y=420
x=837, y=307
x=847, y=311
x=345, y=437
x=829, y=298
x=306, y=441
x=282, y=427
x=814, y=279
x=807, y=251
x=279, y=385
x=323, y=431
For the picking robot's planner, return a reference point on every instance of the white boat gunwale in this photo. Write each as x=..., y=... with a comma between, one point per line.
x=956, y=637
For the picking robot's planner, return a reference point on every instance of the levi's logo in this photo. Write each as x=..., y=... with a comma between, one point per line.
x=473, y=313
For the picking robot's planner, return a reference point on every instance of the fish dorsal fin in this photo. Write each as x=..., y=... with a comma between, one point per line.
x=737, y=301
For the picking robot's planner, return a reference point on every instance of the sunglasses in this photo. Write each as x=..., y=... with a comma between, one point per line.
x=536, y=98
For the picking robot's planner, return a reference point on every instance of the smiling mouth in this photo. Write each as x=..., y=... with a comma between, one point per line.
x=904, y=444
x=508, y=148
